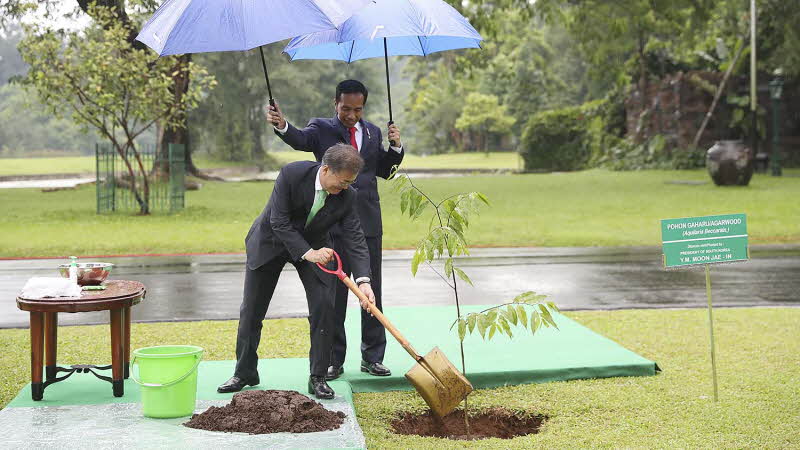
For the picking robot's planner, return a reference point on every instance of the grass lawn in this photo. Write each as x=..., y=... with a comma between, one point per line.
x=33, y=166
x=590, y=208
x=80, y=164
x=758, y=354
x=75, y=164
x=474, y=160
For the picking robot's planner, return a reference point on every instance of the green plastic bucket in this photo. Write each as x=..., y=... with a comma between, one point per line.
x=168, y=377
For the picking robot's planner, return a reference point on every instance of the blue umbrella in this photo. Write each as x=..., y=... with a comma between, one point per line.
x=196, y=26
x=389, y=27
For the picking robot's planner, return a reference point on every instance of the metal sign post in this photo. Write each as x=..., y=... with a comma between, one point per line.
x=711, y=333
x=691, y=241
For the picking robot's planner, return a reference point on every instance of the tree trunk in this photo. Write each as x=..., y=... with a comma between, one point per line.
x=170, y=135
x=642, y=68
x=720, y=90
x=178, y=133
x=256, y=127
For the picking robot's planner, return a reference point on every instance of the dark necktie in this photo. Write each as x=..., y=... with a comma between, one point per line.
x=353, y=137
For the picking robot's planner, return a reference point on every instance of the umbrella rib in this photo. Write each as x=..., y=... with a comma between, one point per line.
x=244, y=33
x=421, y=47
x=324, y=14
x=350, y=57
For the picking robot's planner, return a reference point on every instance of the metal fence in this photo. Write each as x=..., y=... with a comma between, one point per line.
x=115, y=187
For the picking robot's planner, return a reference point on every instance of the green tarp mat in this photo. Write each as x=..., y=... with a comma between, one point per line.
x=571, y=352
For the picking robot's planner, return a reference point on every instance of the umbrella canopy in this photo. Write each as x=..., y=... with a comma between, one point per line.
x=196, y=26
x=410, y=27
x=390, y=27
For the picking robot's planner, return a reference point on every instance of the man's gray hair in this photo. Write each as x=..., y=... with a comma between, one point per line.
x=343, y=157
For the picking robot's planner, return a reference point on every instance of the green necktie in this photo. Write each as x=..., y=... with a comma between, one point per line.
x=319, y=200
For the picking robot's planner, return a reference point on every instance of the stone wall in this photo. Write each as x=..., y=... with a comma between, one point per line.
x=675, y=106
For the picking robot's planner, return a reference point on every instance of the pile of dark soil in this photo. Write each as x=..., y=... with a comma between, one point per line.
x=272, y=411
x=497, y=422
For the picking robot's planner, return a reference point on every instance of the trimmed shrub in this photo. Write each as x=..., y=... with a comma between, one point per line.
x=554, y=140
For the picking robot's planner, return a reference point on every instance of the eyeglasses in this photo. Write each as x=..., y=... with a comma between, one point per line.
x=343, y=183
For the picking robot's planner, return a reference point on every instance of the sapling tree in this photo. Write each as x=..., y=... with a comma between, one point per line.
x=444, y=241
x=100, y=80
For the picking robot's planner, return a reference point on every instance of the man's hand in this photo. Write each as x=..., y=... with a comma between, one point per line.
x=394, y=135
x=275, y=116
x=366, y=289
x=321, y=256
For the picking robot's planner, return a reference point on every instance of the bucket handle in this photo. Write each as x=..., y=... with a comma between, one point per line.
x=183, y=377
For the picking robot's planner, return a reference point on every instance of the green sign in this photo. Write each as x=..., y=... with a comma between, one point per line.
x=704, y=240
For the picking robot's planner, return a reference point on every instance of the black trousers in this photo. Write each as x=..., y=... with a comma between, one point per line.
x=259, y=285
x=373, y=335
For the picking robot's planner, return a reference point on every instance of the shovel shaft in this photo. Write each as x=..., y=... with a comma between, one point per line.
x=382, y=319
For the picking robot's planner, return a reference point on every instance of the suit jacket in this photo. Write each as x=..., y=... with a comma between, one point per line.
x=281, y=226
x=322, y=133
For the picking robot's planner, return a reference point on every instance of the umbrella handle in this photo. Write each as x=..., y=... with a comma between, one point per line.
x=391, y=142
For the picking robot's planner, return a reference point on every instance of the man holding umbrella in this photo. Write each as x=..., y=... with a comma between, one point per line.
x=347, y=126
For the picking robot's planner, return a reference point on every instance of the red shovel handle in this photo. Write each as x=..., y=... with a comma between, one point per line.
x=374, y=311
x=338, y=272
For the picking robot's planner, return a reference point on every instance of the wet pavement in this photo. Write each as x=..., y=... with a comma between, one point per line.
x=202, y=287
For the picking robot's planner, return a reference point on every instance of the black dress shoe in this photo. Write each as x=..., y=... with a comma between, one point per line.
x=236, y=384
x=334, y=372
x=319, y=387
x=376, y=368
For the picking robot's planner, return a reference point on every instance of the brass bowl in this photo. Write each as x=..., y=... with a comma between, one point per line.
x=89, y=273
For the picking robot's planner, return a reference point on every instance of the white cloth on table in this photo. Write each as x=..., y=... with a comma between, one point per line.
x=50, y=287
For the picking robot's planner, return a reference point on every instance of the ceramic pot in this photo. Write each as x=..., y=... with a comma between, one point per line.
x=730, y=163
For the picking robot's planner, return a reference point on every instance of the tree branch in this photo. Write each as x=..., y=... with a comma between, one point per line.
x=440, y=275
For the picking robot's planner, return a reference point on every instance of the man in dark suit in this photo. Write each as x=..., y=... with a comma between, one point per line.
x=308, y=199
x=348, y=126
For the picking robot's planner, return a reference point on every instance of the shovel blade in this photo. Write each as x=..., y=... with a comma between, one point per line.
x=439, y=383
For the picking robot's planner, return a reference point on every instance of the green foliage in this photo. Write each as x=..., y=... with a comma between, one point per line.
x=779, y=37
x=483, y=114
x=11, y=64
x=740, y=118
x=436, y=104
x=620, y=38
x=445, y=240
x=653, y=153
x=485, y=15
x=527, y=310
x=556, y=140
x=728, y=23
x=97, y=77
x=36, y=130
x=526, y=65
x=591, y=135
x=449, y=220
x=229, y=123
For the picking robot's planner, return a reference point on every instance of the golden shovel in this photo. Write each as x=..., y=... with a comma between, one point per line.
x=436, y=379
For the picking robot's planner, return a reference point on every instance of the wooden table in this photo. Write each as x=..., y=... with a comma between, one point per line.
x=118, y=297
